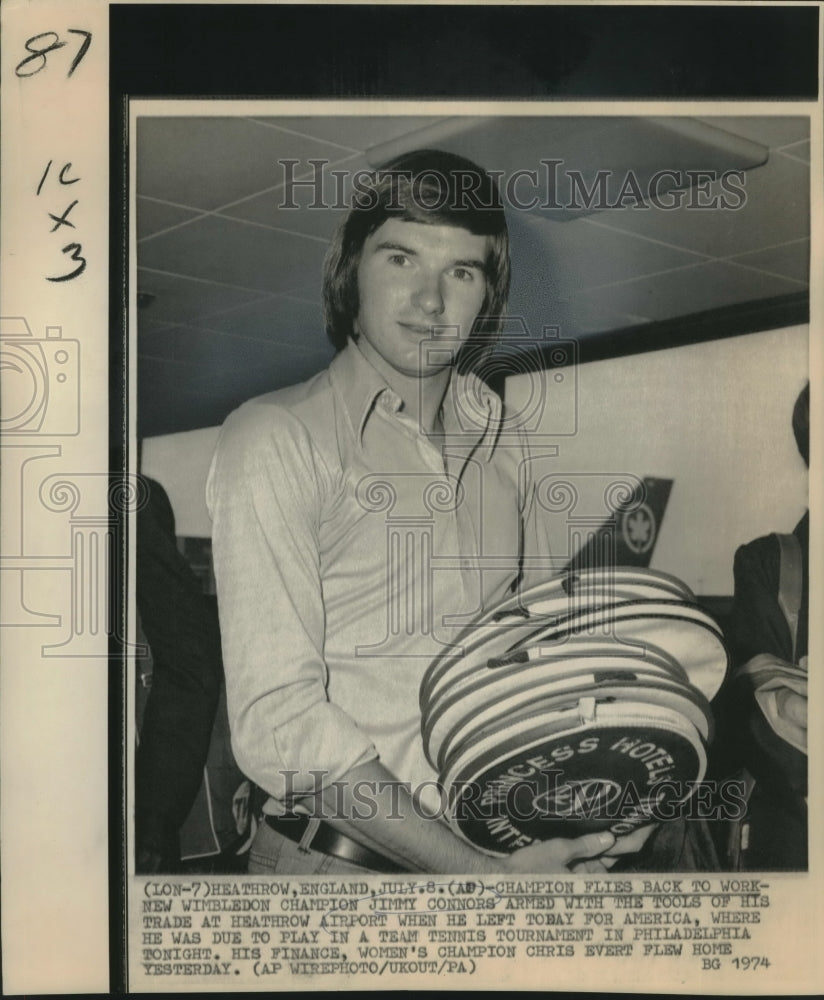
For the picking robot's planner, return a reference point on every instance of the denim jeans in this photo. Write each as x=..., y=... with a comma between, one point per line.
x=273, y=854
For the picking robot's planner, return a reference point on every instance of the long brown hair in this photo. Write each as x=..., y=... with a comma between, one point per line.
x=435, y=188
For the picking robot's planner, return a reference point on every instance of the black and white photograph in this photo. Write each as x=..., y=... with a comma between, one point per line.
x=481, y=417
x=448, y=499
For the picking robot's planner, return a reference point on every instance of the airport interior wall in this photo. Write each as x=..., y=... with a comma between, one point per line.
x=714, y=417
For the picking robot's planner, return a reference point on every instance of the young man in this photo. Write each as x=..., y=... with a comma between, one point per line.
x=361, y=518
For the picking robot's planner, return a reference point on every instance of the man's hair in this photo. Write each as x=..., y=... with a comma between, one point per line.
x=428, y=186
x=801, y=423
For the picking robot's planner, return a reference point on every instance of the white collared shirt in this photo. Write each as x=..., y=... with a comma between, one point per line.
x=349, y=550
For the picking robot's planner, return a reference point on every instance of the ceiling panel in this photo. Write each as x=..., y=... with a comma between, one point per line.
x=771, y=130
x=675, y=293
x=592, y=314
x=155, y=216
x=775, y=210
x=234, y=253
x=583, y=254
x=212, y=350
x=288, y=323
x=232, y=278
x=309, y=291
x=798, y=150
x=611, y=157
x=209, y=162
x=790, y=260
x=177, y=298
x=158, y=340
x=295, y=207
x=353, y=132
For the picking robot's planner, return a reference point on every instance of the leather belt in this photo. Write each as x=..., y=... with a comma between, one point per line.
x=328, y=840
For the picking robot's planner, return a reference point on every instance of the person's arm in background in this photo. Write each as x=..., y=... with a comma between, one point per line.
x=758, y=636
x=756, y=624
x=181, y=628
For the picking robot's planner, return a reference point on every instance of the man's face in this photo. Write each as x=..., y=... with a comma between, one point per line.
x=416, y=284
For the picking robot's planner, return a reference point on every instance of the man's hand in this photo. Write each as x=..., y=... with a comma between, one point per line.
x=561, y=855
x=425, y=845
x=593, y=853
x=631, y=843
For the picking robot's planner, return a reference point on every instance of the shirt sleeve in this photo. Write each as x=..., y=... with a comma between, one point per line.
x=180, y=625
x=265, y=493
x=757, y=624
x=537, y=556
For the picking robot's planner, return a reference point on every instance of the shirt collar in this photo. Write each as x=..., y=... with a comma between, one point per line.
x=472, y=411
x=359, y=385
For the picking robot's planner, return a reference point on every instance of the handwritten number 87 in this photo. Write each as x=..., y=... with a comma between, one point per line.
x=39, y=48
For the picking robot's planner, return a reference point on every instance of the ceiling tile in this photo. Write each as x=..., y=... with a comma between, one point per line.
x=350, y=131
x=791, y=260
x=178, y=299
x=209, y=162
x=235, y=253
x=191, y=346
x=292, y=324
x=553, y=263
x=219, y=330
x=204, y=348
x=547, y=161
x=154, y=216
x=585, y=254
x=675, y=293
x=775, y=210
x=296, y=209
x=594, y=315
x=797, y=150
x=535, y=294
x=772, y=130
x=309, y=291
x=157, y=340
x=314, y=204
